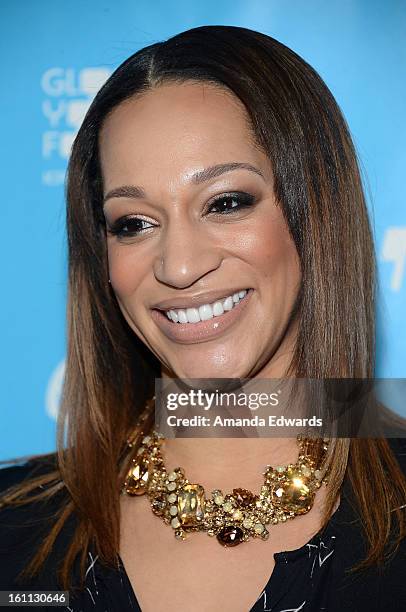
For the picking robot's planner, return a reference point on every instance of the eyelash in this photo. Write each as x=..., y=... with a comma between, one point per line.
x=244, y=200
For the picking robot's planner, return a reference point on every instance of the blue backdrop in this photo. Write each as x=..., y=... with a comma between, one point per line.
x=55, y=55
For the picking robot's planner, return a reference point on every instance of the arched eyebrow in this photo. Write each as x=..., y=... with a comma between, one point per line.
x=202, y=176
x=199, y=177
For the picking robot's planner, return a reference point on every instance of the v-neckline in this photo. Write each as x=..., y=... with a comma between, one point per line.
x=279, y=557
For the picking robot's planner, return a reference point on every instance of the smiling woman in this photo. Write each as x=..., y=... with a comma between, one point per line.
x=205, y=233
x=217, y=228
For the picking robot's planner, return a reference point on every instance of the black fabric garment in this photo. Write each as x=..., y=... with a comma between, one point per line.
x=310, y=579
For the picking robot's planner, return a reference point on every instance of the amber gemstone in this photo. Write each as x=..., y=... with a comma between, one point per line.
x=191, y=505
x=293, y=494
x=137, y=478
x=230, y=535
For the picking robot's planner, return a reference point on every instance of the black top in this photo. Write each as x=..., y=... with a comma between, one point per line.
x=311, y=578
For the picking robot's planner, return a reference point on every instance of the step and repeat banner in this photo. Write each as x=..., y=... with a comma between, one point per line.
x=54, y=58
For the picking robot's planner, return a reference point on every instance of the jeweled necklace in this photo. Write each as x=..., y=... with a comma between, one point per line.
x=288, y=491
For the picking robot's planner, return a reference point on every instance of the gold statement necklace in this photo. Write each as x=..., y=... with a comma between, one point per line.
x=288, y=491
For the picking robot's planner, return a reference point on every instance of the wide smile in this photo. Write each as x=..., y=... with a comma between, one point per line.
x=186, y=326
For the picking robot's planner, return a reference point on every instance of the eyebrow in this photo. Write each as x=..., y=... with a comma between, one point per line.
x=199, y=177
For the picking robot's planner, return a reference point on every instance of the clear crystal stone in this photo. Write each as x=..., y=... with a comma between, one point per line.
x=175, y=522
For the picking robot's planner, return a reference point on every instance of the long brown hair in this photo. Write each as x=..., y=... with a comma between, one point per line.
x=110, y=373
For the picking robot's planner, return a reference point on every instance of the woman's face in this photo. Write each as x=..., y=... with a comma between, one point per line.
x=192, y=200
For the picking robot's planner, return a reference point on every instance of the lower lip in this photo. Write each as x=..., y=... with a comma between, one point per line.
x=190, y=333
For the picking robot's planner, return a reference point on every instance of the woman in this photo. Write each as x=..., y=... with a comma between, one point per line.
x=213, y=165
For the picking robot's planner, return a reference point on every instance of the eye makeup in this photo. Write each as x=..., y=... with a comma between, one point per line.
x=225, y=204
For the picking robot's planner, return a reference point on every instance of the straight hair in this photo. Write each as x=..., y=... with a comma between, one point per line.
x=110, y=374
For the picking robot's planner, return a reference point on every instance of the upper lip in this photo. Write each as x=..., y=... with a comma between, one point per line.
x=194, y=301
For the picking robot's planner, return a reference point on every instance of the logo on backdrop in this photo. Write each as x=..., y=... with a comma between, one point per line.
x=394, y=251
x=53, y=390
x=68, y=93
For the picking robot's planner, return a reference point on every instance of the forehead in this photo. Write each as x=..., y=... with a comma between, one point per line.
x=176, y=126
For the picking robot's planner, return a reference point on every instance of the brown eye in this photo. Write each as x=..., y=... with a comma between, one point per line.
x=129, y=226
x=232, y=202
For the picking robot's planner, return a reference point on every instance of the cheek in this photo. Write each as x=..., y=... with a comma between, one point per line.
x=272, y=252
x=125, y=271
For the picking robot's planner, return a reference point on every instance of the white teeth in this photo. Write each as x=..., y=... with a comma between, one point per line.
x=218, y=309
x=228, y=303
x=192, y=315
x=206, y=311
x=174, y=316
x=182, y=316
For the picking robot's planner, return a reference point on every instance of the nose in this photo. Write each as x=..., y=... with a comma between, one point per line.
x=186, y=255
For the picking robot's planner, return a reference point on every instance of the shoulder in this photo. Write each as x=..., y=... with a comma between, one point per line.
x=398, y=447
x=375, y=587
x=22, y=470
x=23, y=528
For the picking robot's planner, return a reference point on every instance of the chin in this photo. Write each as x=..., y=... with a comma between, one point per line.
x=205, y=370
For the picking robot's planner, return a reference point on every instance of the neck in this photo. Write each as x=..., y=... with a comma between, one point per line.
x=227, y=463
